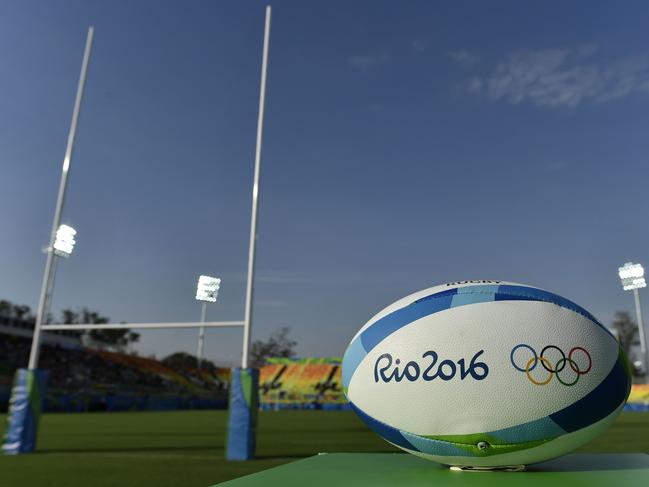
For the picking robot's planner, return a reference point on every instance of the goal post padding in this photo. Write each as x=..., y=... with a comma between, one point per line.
x=242, y=414
x=25, y=406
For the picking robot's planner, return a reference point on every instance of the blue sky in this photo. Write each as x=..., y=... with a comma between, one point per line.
x=407, y=145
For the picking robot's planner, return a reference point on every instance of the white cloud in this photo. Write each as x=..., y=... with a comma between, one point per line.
x=474, y=85
x=464, y=58
x=562, y=78
x=587, y=49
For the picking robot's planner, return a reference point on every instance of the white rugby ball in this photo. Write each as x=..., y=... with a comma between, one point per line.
x=486, y=374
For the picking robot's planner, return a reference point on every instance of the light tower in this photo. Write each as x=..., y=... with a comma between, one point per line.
x=207, y=291
x=63, y=246
x=64, y=241
x=632, y=277
x=30, y=383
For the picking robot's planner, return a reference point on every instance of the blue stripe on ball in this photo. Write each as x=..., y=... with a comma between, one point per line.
x=410, y=441
x=539, y=429
x=396, y=320
x=598, y=403
x=354, y=355
x=450, y=298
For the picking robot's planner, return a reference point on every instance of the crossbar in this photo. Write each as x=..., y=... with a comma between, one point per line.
x=121, y=326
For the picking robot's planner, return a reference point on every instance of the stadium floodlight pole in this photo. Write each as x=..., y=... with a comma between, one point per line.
x=247, y=320
x=201, y=337
x=632, y=277
x=63, y=247
x=207, y=290
x=36, y=339
x=50, y=290
x=638, y=313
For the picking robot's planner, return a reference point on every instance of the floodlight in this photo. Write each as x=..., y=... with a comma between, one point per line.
x=64, y=242
x=632, y=276
x=208, y=288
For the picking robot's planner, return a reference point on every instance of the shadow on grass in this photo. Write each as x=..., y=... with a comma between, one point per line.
x=583, y=462
x=276, y=456
x=218, y=450
x=139, y=434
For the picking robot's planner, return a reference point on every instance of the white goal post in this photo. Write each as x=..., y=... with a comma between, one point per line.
x=47, y=284
x=30, y=383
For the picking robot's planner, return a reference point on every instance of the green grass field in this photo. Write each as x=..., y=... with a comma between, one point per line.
x=186, y=448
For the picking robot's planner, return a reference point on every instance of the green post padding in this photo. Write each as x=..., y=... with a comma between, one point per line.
x=242, y=414
x=25, y=408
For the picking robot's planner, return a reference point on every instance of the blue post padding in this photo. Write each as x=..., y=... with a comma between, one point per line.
x=242, y=420
x=25, y=407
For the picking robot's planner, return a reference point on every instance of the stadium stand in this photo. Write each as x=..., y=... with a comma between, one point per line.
x=639, y=398
x=302, y=383
x=83, y=379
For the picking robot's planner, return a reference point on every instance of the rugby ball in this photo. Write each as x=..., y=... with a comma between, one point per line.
x=485, y=374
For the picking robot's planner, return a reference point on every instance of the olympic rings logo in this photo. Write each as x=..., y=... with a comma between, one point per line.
x=546, y=359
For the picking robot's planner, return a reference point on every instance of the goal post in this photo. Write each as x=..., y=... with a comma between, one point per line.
x=244, y=385
x=29, y=387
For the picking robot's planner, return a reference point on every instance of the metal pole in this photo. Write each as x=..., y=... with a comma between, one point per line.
x=201, y=335
x=247, y=321
x=36, y=339
x=643, y=343
x=50, y=289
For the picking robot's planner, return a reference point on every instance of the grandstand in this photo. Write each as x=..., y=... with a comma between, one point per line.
x=86, y=379
x=302, y=384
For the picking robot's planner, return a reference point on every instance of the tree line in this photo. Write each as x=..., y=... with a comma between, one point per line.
x=626, y=330
x=22, y=314
x=278, y=344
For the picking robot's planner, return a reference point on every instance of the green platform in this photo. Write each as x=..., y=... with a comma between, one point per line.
x=403, y=470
